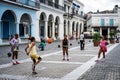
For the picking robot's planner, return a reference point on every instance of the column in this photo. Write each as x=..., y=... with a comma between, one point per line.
x=0, y=32
x=66, y=27
x=17, y=27
x=46, y=30
x=108, y=32
x=100, y=31
x=92, y=31
x=53, y=30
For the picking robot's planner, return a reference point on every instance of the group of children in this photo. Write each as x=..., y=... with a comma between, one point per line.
x=31, y=50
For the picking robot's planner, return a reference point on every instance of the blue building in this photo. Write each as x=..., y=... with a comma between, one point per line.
x=18, y=16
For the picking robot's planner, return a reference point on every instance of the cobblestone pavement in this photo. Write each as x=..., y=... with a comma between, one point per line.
x=107, y=70
x=52, y=67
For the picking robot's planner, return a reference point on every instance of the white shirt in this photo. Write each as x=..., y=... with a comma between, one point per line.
x=82, y=37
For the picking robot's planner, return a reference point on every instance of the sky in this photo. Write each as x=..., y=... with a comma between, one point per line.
x=101, y=5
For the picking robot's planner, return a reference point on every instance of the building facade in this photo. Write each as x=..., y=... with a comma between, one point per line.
x=73, y=18
x=40, y=18
x=17, y=16
x=103, y=22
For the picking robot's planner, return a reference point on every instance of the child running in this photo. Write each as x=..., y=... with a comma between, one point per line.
x=65, y=47
x=31, y=51
x=103, y=48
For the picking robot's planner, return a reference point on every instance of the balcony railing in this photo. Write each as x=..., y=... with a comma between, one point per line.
x=30, y=3
x=52, y=4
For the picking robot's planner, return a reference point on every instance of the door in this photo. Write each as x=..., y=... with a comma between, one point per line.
x=5, y=29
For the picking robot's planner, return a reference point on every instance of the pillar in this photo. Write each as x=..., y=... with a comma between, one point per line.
x=53, y=30
x=0, y=32
x=46, y=30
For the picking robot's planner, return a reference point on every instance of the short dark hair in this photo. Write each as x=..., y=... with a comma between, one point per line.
x=32, y=39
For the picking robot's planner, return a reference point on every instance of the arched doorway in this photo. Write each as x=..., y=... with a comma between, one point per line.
x=50, y=25
x=57, y=21
x=25, y=26
x=77, y=30
x=64, y=27
x=8, y=24
x=80, y=28
x=73, y=29
x=69, y=28
x=42, y=25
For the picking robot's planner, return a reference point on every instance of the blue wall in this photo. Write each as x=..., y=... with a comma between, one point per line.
x=15, y=17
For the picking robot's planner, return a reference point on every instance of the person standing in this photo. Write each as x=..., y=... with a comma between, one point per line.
x=82, y=41
x=14, y=43
x=65, y=47
x=31, y=51
x=103, y=48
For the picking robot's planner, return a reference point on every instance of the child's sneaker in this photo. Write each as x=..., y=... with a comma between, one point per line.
x=67, y=59
x=103, y=60
x=96, y=60
x=13, y=63
x=63, y=59
x=34, y=72
x=17, y=62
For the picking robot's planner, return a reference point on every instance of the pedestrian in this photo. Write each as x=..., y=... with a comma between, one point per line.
x=31, y=51
x=65, y=47
x=103, y=48
x=82, y=41
x=14, y=43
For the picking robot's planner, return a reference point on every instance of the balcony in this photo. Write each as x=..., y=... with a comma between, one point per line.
x=24, y=3
x=52, y=4
x=68, y=15
x=69, y=1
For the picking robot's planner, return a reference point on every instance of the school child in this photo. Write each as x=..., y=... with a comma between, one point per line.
x=31, y=51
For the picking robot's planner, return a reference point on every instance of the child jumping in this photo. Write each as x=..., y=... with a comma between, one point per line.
x=31, y=51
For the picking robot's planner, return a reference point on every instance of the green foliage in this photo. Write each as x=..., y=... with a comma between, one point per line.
x=112, y=35
x=96, y=37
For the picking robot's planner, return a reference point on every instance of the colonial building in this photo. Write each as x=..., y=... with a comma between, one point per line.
x=73, y=18
x=40, y=18
x=18, y=16
x=50, y=19
x=103, y=22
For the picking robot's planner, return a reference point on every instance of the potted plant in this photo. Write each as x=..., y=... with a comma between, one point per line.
x=96, y=39
x=112, y=35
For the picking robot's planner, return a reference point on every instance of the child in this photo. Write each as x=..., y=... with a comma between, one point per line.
x=42, y=44
x=65, y=47
x=103, y=48
x=33, y=54
x=14, y=42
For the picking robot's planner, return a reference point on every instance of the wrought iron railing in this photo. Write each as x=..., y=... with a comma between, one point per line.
x=52, y=4
x=30, y=3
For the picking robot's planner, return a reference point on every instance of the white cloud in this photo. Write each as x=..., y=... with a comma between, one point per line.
x=94, y=5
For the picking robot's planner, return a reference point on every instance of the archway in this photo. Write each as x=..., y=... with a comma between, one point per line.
x=64, y=27
x=77, y=30
x=42, y=25
x=8, y=24
x=73, y=29
x=69, y=28
x=57, y=21
x=25, y=25
x=50, y=25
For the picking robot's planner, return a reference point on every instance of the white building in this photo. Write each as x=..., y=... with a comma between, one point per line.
x=103, y=22
x=53, y=20
x=73, y=18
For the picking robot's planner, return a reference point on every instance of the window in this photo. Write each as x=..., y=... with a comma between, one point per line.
x=111, y=22
x=102, y=22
